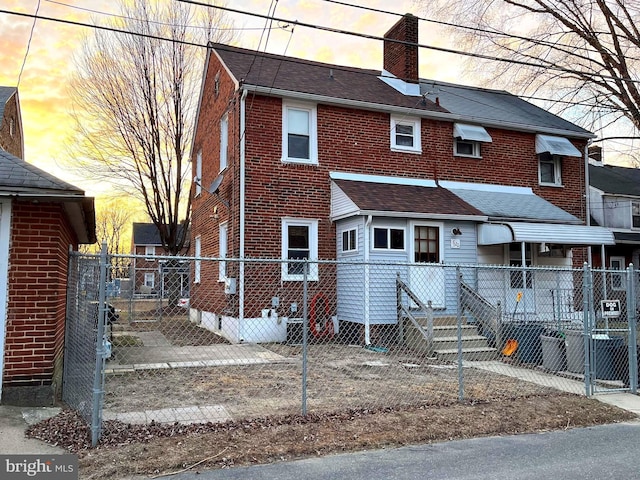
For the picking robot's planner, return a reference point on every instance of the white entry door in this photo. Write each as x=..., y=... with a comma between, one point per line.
x=5, y=223
x=520, y=288
x=426, y=276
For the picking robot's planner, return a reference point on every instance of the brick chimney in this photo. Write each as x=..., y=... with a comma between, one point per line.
x=595, y=153
x=401, y=59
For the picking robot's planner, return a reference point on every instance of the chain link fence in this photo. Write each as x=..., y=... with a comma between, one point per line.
x=211, y=340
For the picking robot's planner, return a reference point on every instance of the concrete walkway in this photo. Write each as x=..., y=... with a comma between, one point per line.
x=13, y=423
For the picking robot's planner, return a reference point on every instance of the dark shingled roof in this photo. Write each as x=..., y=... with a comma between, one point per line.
x=458, y=102
x=18, y=177
x=305, y=76
x=146, y=234
x=405, y=198
x=615, y=180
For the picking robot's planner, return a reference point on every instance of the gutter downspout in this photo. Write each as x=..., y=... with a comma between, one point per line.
x=367, y=239
x=242, y=206
x=586, y=198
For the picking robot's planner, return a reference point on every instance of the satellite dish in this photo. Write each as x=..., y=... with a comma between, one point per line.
x=215, y=185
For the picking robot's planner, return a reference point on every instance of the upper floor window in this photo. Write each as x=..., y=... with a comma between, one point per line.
x=387, y=238
x=468, y=139
x=635, y=214
x=466, y=148
x=299, y=242
x=299, y=133
x=224, y=141
x=198, y=179
x=149, y=250
x=550, y=169
x=405, y=134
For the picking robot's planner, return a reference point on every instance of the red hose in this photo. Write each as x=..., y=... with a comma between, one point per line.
x=320, y=321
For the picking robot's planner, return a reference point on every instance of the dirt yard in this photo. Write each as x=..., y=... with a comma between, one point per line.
x=357, y=399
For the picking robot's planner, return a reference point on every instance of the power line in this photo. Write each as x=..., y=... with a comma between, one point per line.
x=291, y=59
x=26, y=53
x=113, y=15
x=420, y=45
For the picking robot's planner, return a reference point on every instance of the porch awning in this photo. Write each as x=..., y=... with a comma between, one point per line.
x=556, y=146
x=471, y=132
x=563, y=234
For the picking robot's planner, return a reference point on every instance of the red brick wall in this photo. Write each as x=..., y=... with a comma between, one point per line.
x=349, y=140
x=398, y=58
x=40, y=240
x=12, y=143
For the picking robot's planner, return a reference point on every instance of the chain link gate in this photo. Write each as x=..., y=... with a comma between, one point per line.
x=193, y=339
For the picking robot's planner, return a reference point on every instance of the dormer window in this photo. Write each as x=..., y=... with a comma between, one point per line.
x=468, y=140
x=405, y=134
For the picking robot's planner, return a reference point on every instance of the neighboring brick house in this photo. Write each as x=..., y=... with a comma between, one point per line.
x=41, y=218
x=319, y=161
x=614, y=203
x=149, y=276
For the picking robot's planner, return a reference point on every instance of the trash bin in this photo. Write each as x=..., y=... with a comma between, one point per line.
x=554, y=356
x=605, y=351
x=529, y=345
x=575, y=350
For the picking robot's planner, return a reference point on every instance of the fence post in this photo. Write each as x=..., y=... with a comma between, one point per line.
x=459, y=323
x=586, y=308
x=98, y=386
x=305, y=336
x=631, y=324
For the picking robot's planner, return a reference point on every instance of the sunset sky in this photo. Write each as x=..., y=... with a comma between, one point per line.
x=49, y=62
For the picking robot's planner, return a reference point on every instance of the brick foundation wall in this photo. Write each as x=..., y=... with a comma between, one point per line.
x=38, y=264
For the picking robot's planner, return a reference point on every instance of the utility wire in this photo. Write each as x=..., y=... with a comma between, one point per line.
x=290, y=59
x=420, y=45
x=26, y=53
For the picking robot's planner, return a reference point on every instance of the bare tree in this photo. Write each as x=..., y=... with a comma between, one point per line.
x=113, y=225
x=584, y=55
x=134, y=100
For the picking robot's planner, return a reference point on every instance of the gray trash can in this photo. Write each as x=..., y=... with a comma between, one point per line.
x=554, y=357
x=575, y=350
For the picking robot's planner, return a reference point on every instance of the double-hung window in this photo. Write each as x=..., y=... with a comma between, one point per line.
x=299, y=133
x=150, y=280
x=222, y=266
x=550, y=169
x=198, y=178
x=299, y=242
x=198, y=263
x=635, y=214
x=224, y=141
x=405, y=134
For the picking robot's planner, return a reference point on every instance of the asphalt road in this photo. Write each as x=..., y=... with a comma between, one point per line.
x=598, y=453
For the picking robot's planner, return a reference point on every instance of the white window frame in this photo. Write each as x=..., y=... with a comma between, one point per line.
x=312, y=274
x=637, y=205
x=350, y=248
x=152, y=276
x=198, y=179
x=224, y=141
x=149, y=251
x=617, y=279
x=415, y=124
x=312, y=111
x=388, y=248
x=223, y=231
x=557, y=169
x=197, y=266
x=475, y=147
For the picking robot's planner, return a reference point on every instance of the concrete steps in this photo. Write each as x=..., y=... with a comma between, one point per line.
x=445, y=340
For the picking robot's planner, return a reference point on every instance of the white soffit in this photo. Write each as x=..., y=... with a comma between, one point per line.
x=508, y=232
x=471, y=132
x=556, y=146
